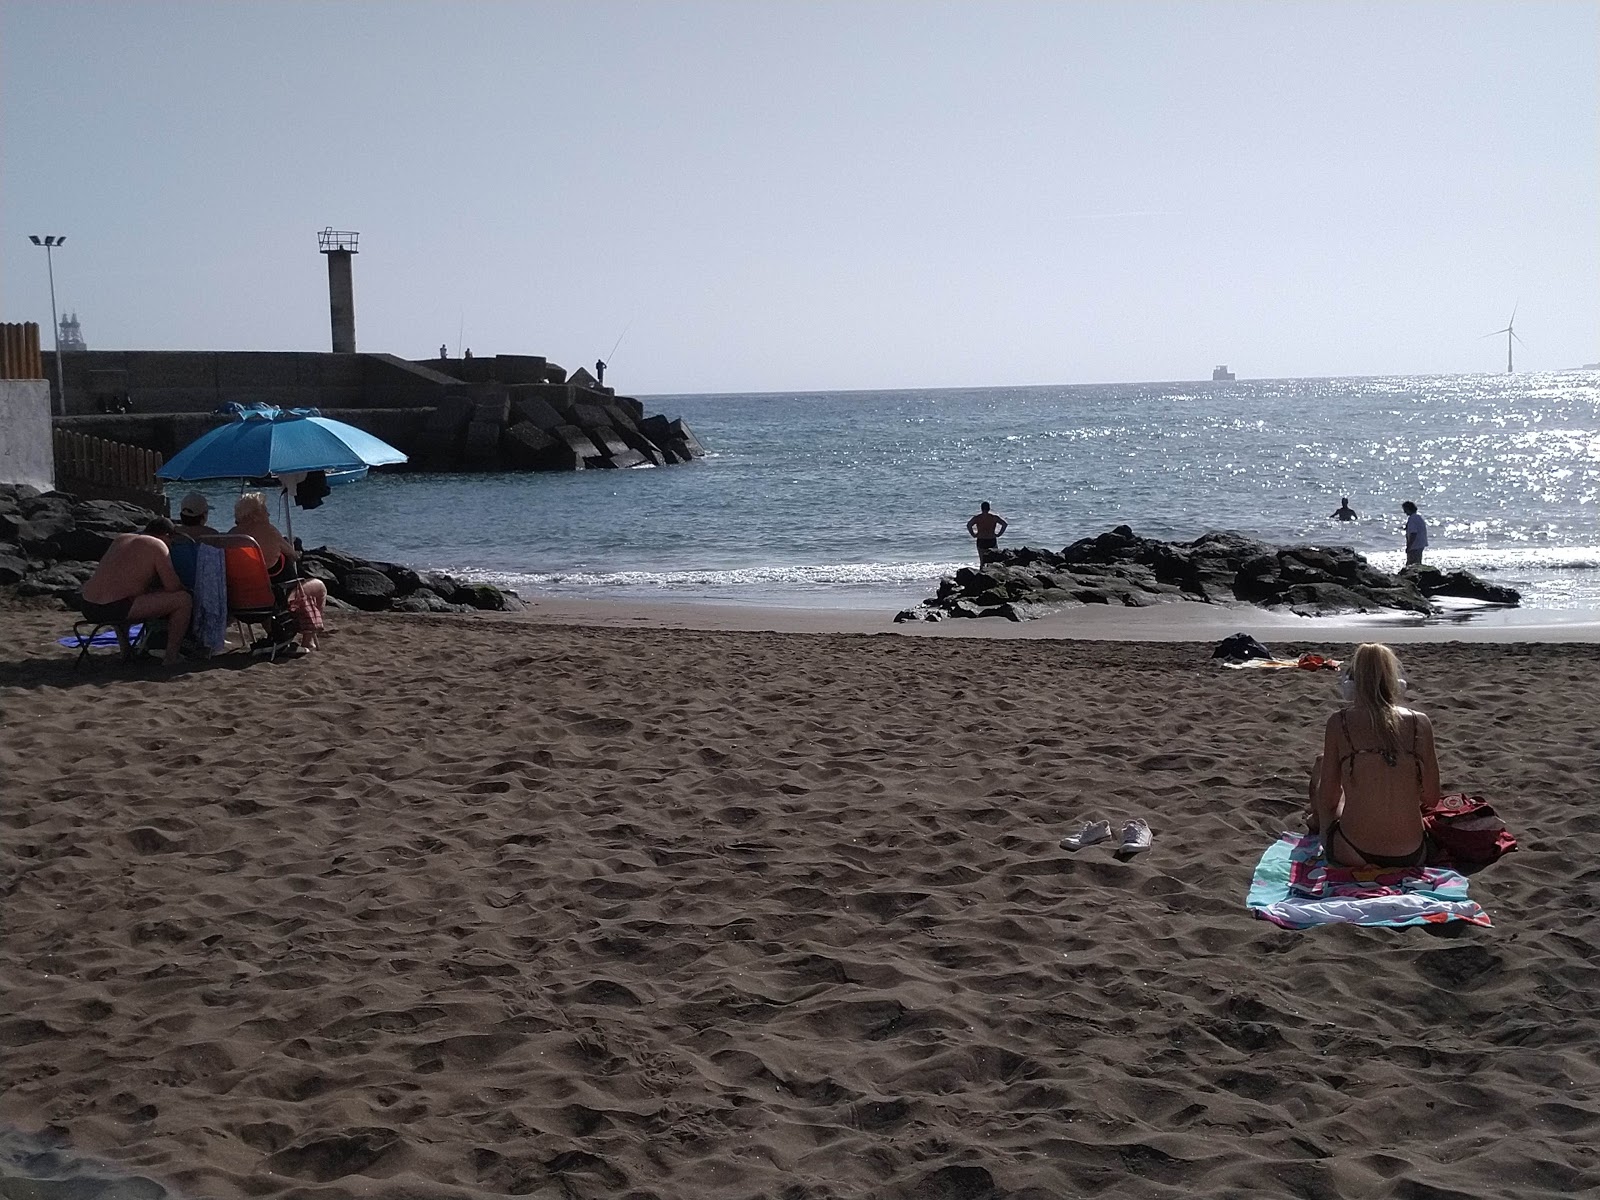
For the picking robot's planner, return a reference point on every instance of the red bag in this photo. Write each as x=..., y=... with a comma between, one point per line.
x=1466, y=829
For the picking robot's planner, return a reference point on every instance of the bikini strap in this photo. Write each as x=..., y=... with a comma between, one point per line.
x=1415, y=761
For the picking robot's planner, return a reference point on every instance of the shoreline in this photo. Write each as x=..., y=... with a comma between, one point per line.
x=1178, y=621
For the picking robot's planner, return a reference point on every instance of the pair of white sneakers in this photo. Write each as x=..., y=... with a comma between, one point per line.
x=1136, y=836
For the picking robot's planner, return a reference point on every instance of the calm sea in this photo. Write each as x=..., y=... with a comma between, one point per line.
x=859, y=499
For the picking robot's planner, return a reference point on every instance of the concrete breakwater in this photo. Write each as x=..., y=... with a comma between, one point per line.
x=505, y=412
x=51, y=541
x=1120, y=567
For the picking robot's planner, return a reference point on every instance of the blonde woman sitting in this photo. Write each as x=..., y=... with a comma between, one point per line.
x=306, y=596
x=1377, y=771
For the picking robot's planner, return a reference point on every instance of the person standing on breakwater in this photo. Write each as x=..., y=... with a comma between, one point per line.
x=1416, y=534
x=1344, y=512
x=986, y=527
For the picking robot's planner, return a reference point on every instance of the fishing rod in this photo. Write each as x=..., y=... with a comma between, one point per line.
x=618, y=342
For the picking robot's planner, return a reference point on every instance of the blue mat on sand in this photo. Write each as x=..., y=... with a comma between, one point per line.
x=106, y=637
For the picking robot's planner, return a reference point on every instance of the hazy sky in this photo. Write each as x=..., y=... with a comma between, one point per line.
x=779, y=196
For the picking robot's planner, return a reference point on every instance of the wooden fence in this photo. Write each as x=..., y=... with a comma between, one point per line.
x=96, y=469
x=19, y=352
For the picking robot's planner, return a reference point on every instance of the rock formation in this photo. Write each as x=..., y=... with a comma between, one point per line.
x=1121, y=567
x=51, y=541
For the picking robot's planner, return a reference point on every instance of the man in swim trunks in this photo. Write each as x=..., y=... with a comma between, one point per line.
x=986, y=527
x=1344, y=512
x=135, y=582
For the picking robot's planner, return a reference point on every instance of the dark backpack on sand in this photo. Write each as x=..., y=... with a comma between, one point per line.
x=1466, y=829
x=1239, y=648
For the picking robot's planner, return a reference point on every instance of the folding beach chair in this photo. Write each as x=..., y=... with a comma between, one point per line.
x=253, y=601
x=87, y=634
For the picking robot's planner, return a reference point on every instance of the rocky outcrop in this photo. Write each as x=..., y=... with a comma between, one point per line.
x=389, y=587
x=51, y=541
x=1120, y=567
x=552, y=427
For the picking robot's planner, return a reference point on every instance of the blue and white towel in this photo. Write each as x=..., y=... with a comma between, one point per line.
x=209, y=624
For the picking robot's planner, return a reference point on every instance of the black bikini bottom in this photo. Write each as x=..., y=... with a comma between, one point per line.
x=1416, y=858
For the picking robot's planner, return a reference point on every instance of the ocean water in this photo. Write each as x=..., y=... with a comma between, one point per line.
x=860, y=499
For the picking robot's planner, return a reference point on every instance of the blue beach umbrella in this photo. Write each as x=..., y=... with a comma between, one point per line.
x=270, y=441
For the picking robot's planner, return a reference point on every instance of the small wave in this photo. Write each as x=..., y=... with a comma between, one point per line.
x=1498, y=558
x=822, y=575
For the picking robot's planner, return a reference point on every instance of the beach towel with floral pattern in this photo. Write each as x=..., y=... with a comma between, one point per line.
x=1294, y=886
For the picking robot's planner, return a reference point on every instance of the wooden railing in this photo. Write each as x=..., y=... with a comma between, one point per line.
x=19, y=352
x=97, y=469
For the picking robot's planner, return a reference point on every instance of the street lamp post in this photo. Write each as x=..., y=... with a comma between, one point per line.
x=49, y=243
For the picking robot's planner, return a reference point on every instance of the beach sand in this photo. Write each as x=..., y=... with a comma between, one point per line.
x=584, y=904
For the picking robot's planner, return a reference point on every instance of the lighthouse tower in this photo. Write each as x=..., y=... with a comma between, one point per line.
x=339, y=245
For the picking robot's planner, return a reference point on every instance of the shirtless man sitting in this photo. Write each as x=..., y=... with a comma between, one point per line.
x=135, y=582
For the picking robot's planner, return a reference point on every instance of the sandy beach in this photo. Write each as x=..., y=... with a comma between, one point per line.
x=600, y=901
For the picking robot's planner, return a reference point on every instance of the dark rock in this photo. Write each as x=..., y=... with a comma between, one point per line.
x=1460, y=584
x=488, y=598
x=1322, y=599
x=38, y=531
x=405, y=580
x=313, y=568
x=62, y=580
x=965, y=608
x=431, y=601
x=1120, y=567
x=11, y=568
x=442, y=585
x=367, y=588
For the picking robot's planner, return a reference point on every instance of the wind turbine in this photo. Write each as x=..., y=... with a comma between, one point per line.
x=1510, y=332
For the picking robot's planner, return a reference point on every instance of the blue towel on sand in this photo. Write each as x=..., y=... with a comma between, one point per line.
x=106, y=637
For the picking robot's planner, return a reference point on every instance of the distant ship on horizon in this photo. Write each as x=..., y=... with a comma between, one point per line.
x=1222, y=374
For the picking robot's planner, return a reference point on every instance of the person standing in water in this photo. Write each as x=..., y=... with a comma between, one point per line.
x=1416, y=534
x=1344, y=512
x=986, y=527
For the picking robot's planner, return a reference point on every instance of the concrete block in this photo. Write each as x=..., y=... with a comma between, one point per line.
x=27, y=454
x=482, y=447
x=534, y=409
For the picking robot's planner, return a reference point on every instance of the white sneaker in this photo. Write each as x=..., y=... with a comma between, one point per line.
x=1092, y=832
x=1136, y=836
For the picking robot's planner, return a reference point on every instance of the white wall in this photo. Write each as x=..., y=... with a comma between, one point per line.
x=26, y=452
